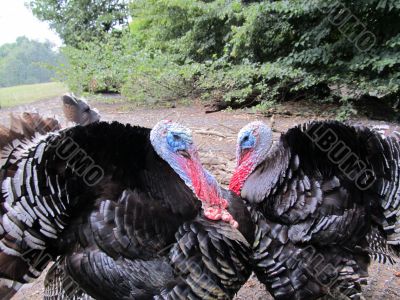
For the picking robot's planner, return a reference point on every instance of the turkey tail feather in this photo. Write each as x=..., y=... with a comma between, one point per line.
x=17, y=268
x=378, y=248
x=25, y=127
x=34, y=201
x=27, y=216
x=381, y=153
x=58, y=285
x=30, y=123
x=390, y=191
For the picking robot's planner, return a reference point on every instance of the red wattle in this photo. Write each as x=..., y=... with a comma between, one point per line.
x=242, y=171
x=214, y=206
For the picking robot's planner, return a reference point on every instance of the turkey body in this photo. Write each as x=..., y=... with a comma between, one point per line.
x=325, y=199
x=205, y=260
x=124, y=224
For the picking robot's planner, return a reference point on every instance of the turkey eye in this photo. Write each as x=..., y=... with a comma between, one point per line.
x=176, y=137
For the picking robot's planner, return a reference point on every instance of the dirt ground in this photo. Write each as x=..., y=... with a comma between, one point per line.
x=215, y=135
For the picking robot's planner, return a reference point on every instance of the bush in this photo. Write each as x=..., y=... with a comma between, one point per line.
x=276, y=50
x=156, y=78
x=97, y=66
x=247, y=52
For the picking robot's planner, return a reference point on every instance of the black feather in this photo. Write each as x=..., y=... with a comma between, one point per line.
x=325, y=213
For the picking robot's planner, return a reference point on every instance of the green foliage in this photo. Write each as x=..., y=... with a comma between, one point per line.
x=79, y=21
x=264, y=106
x=27, y=61
x=346, y=110
x=97, y=66
x=250, y=52
x=275, y=50
x=253, y=83
x=157, y=78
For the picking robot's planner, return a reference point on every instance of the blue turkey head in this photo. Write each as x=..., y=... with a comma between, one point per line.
x=253, y=144
x=174, y=144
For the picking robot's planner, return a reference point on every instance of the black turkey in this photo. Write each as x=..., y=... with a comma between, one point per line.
x=207, y=260
x=128, y=211
x=325, y=199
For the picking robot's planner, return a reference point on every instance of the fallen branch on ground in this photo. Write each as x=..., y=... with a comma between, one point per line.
x=210, y=132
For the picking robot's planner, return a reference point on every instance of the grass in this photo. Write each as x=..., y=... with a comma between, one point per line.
x=23, y=94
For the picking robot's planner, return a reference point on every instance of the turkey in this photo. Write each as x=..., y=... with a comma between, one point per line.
x=28, y=124
x=325, y=200
x=207, y=260
x=25, y=126
x=129, y=211
x=78, y=111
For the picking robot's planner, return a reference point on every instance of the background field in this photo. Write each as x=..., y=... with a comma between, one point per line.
x=22, y=94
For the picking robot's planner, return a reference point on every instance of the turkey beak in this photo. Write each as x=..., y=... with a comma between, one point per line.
x=184, y=153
